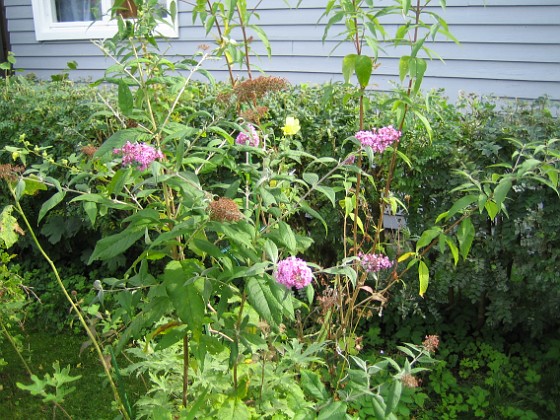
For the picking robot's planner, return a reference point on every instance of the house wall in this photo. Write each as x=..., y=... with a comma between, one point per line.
x=509, y=48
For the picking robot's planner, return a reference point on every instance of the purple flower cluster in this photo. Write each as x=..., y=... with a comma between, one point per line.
x=293, y=272
x=378, y=138
x=141, y=154
x=372, y=263
x=248, y=140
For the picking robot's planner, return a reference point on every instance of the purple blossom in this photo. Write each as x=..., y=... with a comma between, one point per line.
x=140, y=154
x=293, y=272
x=244, y=140
x=372, y=263
x=378, y=138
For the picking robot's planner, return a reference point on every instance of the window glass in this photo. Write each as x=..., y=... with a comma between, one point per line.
x=78, y=10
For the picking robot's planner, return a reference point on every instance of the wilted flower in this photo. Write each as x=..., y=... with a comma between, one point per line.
x=10, y=172
x=140, y=154
x=89, y=150
x=293, y=272
x=224, y=210
x=378, y=138
x=410, y=381
x=291, y=127
x=431, y=343
x=373, y=263
x=248, y=140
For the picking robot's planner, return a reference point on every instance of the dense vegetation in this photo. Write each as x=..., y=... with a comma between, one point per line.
x=163, y=218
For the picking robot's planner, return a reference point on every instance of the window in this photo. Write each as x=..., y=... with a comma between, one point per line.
x=85, y=19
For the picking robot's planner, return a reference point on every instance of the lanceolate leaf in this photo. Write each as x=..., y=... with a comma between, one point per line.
x=114, y=245
x=423, y=277
x=465, y=236
x=50, y=204
x=185, y=293
x=348, y=66
x=263, y=301
x=501, y=191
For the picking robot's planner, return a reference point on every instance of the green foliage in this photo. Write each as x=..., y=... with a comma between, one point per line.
x=199, y=219
x=59, y=380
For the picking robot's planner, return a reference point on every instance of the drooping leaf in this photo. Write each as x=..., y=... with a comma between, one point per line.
x=423, y=277
x=465, y=236
x=50, y=204
x=348, y=66
x=501, y=191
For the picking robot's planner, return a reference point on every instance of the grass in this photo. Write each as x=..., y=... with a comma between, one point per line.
x=89, y=401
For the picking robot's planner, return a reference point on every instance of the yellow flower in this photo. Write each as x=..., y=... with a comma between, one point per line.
x=292, y=126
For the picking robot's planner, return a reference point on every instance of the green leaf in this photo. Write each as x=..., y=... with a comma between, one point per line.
x=392, y=400
x=308, y=209
x=419, y=71
x=461, y=205
x=403, y=66
x=9, y=228
x=312, y=385
x=263, y=301
x=327, y=192
x=125, y=98
x=425, y=122
x=423, y=277
x=363, y=68
x=465, y=236
x=453, y=248
x=287, y=236
x=50, y=204
x=184, y=289
x=111, y=246
x=117, y=140
x=335, y=410
x=348, y=66
x=492, y=208
x=501, y=191
x=427, y=237
x=233, y=409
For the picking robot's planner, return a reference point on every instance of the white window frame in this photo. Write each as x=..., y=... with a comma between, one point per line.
x=48, y=29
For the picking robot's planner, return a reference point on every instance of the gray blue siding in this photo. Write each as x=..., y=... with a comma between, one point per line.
x=509, y=48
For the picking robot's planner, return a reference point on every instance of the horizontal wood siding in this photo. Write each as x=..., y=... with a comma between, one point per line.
x=509, y=48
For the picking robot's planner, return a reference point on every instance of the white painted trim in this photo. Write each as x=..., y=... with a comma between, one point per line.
x=47, y=29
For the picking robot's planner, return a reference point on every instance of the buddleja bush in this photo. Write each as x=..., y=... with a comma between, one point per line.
x=204, y=206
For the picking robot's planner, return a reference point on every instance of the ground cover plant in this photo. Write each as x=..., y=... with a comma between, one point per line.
x=209, y=206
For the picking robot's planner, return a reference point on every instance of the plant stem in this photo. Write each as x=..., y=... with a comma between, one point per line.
x=219, y=29
x=14, y=345
x=245, y=40
x=185, y=369
x=81, y=318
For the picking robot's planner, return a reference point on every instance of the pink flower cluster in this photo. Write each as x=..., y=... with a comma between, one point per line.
x=372, y=263
x=378, y=138
x=293, y=272
x=141, y=154
x=248, y=140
